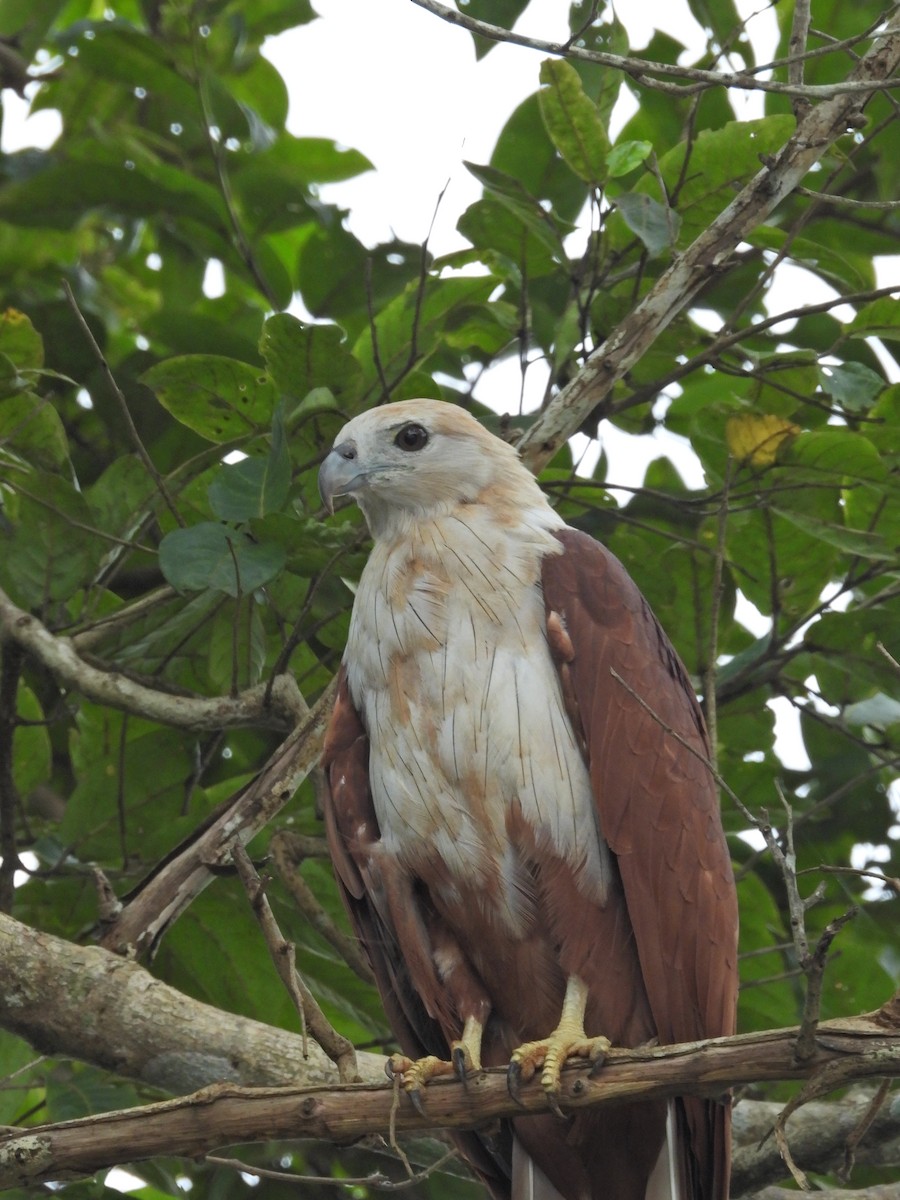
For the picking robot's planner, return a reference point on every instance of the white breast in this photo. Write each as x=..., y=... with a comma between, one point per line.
x=448, y=663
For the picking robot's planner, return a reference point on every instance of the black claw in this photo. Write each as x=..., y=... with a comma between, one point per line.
x=415, y=1095
x=389, y=1070
x=553, y=1101
x=514, y=1081
x=459, y=1064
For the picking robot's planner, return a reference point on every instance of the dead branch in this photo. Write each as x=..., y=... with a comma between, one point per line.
x=283, y=955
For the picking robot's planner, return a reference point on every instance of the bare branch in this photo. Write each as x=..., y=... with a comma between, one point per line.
x=200, y=713
x=642, y=70
x=284, y=956
x=225, y=1114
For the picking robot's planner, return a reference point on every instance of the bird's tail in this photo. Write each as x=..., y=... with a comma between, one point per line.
x=667, y=1180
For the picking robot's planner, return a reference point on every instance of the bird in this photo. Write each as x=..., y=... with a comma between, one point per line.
x=521, y=810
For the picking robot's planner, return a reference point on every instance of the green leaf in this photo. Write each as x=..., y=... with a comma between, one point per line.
x=656, y=225
x=514, y=196
x=254, y=486
x=210, y=555
x=573, y=122
x=301, y=358
x=852, y=384
x=33, y=762
x=220, y=398
x=881, y=319
x=626, y=156
x=504, y=13
x=20, y=341
x=33, y=428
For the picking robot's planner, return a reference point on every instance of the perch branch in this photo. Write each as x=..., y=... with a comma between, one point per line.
x=224, y=1114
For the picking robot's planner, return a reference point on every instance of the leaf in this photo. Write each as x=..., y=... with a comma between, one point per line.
x=210, y=555
x=32, y=763
x=881, y=319
x=879, y=710
x=656, y=225
x=504, y=13
x=222, y=399
x=254, y=486
x=852, y=384
x=514, y=196
x=20, y=341
x=756, y=437
x=301, y=358
x=625, y=157
x=573, y=122
x=33, y=428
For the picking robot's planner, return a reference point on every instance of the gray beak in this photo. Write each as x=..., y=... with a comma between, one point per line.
x=339, y=473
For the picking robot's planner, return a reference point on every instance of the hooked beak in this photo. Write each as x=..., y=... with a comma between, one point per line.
x=339, y=474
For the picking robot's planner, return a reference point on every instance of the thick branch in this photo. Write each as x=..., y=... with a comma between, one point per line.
x=178, y=879
x=819, y=129
x=224, y=1114
x=275, y=707
x=84, y=1002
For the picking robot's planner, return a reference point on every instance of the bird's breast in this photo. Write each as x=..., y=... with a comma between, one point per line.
x=473, y=761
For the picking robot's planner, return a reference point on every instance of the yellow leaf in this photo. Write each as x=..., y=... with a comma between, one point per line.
x=756, y=437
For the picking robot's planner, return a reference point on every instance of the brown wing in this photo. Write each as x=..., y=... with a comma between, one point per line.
x=658, y=810
x=353, y=833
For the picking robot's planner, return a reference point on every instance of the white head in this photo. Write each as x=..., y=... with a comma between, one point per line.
x=419, y=459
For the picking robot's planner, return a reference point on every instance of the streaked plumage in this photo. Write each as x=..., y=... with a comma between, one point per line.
x=505, y=817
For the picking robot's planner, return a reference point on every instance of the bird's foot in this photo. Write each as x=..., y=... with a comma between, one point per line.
x=568, y=1040
x=414, y=1073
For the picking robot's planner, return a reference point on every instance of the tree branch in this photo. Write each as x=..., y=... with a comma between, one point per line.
x=84, y=1002
x=643, y=70
x=185, y=872
x=224, y=1114
x=819, y=129
x=199, y=713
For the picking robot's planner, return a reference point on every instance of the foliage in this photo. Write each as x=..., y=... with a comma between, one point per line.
x=209, y=576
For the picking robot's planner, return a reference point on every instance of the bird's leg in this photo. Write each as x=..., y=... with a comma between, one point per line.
x=568, y=1040
x=465, y=1058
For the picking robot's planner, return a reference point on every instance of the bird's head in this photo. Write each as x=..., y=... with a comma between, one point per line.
x=419, y=459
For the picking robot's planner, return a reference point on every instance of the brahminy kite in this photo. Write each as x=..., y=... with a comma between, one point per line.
x=521, y=811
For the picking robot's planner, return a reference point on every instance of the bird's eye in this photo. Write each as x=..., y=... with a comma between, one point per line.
x=411, y=437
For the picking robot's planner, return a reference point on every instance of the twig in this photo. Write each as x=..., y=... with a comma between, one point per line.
x=287, y=856
x=12, y=658
x=376, y=1180
x=863, y=1126
x=796, y=49
x=642, y=70
x=123, y=406
x=701, y=261
x=882, y=649
x=161, y=898
x=283, y=955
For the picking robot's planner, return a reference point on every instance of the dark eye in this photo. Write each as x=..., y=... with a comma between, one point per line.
x=411, y=437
